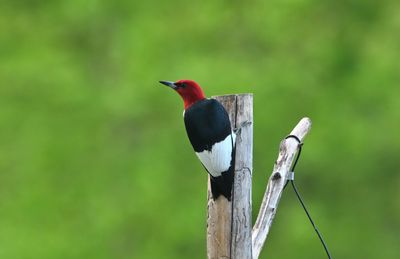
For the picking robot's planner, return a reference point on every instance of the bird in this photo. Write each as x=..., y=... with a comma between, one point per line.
x=209, y=131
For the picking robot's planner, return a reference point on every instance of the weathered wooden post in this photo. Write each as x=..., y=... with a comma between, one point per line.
x=229, y=224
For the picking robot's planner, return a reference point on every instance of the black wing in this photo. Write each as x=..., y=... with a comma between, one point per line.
x=206, y=122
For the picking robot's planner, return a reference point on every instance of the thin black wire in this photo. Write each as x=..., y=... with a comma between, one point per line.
x=301, y=200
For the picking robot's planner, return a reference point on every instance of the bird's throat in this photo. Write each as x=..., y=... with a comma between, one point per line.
x=189, y=102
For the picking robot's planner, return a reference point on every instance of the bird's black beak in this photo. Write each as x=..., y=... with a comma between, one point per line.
x=169, y=84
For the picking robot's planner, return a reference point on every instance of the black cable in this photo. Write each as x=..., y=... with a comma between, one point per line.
x=299, y=197
x=300, y=145
x=312, y=222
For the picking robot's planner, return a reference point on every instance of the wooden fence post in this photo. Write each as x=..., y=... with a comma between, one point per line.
x=229, y=223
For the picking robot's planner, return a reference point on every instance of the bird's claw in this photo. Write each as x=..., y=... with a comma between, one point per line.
x=242, y=125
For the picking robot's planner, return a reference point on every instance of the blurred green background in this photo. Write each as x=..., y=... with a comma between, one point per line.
x=94, y=158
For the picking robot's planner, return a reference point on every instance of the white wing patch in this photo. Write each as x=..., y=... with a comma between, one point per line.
x=218, y=160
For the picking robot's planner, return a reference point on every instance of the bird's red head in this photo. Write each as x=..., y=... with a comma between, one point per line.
x=189, y=90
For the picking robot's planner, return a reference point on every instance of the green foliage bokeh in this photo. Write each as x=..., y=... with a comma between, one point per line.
x=94, y=158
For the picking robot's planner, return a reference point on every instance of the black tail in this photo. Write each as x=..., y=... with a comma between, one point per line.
x=222, y=185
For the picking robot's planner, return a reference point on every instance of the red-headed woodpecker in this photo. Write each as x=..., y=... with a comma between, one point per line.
x=210, y=133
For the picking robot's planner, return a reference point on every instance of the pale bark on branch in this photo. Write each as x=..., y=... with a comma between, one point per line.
x=276, y=183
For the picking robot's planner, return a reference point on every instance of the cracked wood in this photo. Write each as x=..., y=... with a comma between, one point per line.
x=276, y=182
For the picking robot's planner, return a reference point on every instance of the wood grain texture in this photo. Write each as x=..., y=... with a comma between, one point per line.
x=242, y=221
x=229, y=223
x=276, y=182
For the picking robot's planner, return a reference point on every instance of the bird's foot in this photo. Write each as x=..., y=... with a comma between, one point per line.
x=238, y=130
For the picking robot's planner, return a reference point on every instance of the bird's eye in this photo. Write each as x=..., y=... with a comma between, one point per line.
x=183, y=85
